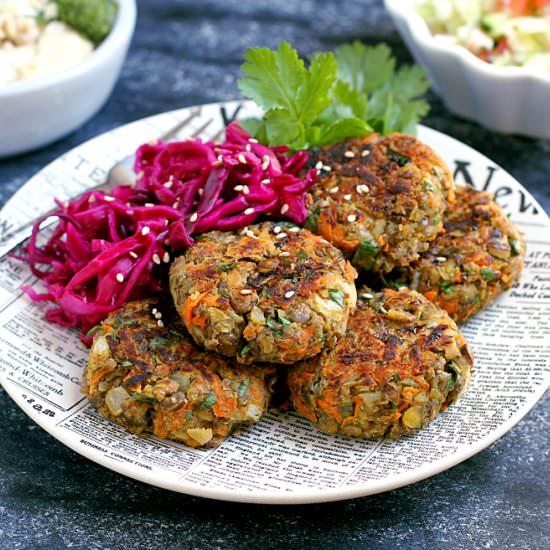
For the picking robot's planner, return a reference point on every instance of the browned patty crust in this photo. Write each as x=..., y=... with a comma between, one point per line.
x=379, y=199
x=145, y=373
x=479, y=256
x=401, y=361
x=273, y=292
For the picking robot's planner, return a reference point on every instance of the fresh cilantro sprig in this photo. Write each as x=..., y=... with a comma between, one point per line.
x=297, y=99
x=350, y=93
x=392, y=95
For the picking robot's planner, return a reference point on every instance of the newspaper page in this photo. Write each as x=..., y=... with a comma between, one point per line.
x=283, y=456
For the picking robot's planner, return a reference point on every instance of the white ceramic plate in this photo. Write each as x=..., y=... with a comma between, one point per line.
x=281, y=459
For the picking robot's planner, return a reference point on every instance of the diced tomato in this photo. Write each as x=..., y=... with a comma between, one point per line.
x=502, y=46
x=540, y=4
x=518, y=8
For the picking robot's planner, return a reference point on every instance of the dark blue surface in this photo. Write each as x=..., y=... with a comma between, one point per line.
x=187, y=52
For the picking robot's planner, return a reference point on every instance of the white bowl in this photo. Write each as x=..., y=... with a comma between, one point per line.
x=40, y=110
x=506, y=99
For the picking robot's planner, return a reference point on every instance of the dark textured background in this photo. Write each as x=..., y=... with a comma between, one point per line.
x=186, y=52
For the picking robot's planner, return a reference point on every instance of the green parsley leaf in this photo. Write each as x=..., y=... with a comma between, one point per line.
x=365, y=254
x=446, y=287
x=488, y=274
x=283, y=318
x=245, y=350
x=210, y=400
x=93, y=330
x=225, y=267
x=347, y=408
x=365, y=68
x=337, y=296
x=515, y=245
x=347, y=94
x=142, y=398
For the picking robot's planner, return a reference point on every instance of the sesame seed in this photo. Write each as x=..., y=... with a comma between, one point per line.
x=120, y=277
x=441, y=259
x=194, y=217
x=334, y=190
x=265, y=162
x=383, y=309
x=362, y=189
x=166, y=222
x=133, y=254
x=200, y=192
x=250, y=234
x=284, y=253
x=349, y=154
x=402, y=288
x=108, y=198
x=158, y=315
x=145, y=230
x=352, y=218
x=347, y=197
x=289, y=294
x=284, y=208
x=91, y=198
x=149, y=204
x=154, y=311
x=319, y=165
x=156, y=258
x=217, y=163
x=366, y=295
x=248, y=147
x=365, y=153
x=327, y=168
x=249, y=211
x=277, y=229
x=168, y=184
x=246, y=291
x=160, y=324
x=281, y=236
x=294, y=229
x=175, y=204
x=242, y=158
x=267, y=180
x=129, y=212
x=166, y=257
x=246, y=190
x=252, y=140
x=238, y=188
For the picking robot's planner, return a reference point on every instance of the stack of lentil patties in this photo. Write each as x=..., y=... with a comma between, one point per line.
x=197, y=368
x=437, y=254
x=247, y=303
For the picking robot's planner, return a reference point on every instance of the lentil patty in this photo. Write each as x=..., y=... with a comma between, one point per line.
x=401, y=361
x=273, y=292
x=145, y=373
x=479, y=256
x=379, y=199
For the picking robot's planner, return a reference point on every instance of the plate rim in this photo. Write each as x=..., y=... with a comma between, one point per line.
x=299, y=496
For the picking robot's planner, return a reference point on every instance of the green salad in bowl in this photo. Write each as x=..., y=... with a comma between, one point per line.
x=502, y=32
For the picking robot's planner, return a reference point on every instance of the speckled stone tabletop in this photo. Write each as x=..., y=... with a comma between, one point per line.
x=187, y=52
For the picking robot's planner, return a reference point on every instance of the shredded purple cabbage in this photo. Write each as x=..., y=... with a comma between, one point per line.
x=107, y=249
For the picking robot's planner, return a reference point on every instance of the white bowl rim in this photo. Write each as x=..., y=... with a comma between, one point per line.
x=419, y=30
x=120, y=32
